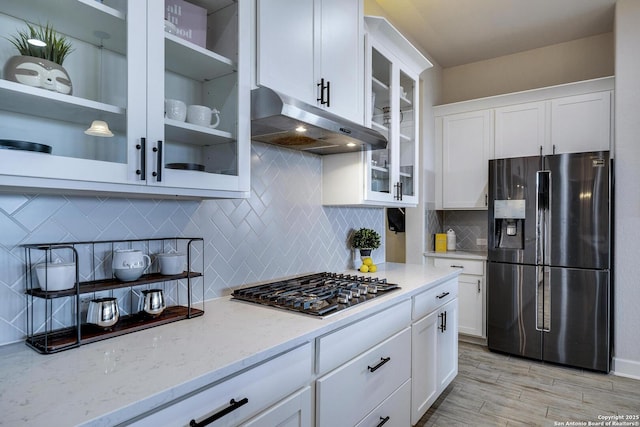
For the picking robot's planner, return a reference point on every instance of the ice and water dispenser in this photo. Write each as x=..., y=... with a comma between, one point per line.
x=509, y=216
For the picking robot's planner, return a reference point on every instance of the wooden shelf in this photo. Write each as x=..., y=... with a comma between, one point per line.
x=108, y=284
x=68, y=337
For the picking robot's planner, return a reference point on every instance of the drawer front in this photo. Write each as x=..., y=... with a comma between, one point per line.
x=294, y=411
x=394, y=411
x=262, y=386
x=428, y=301
x=350, y=392
x=469, y=266
x=338, y=347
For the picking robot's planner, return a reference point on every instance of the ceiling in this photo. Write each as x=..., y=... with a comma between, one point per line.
x=456, y=32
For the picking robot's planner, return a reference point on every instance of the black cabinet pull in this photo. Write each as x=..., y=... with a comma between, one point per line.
x=442, y=295
x=383, y=360
x=322, y=88
x=441, y=327
x=457, y=266
x=383, y=421
x=328, y=94
x=444, y=315
x=233, y=405
x=158, y=172
x=143, y=159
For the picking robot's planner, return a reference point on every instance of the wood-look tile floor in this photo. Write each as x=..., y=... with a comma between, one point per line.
x=493, y=389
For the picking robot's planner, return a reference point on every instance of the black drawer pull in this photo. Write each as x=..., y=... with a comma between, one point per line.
x=442, y=295
x=233, y=405
x=383, y=421
x=383, y=360
x=457, y=266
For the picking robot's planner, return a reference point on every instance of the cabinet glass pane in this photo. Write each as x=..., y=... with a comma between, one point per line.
x=38, y=105
x=201, y=75
x=407, y=91
x=380, y=120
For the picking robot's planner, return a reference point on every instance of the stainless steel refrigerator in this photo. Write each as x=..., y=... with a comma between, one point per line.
x=549, y=258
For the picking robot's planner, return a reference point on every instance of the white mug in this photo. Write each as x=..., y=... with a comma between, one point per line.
x=175, y=109
x=130, y=258
x=201, y=115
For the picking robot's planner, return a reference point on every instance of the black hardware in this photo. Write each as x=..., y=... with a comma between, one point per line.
x=345, y=130
x=383, y=421
x=457, y=266
x=441, y=327
x=233, y=405
x=328, y=93
x=486, y=199
x=478, y=285
x=554, y=148
x=398, y=189
x=445, y=320
x=541, y=150
x=158, y=174
x=143, y=159
x=442, y=295
x=322, y=87
x=383, y=360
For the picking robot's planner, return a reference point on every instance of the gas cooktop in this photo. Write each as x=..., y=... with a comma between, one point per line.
x=318, y=294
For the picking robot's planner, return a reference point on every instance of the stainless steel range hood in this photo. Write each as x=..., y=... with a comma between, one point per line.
x=285, y=121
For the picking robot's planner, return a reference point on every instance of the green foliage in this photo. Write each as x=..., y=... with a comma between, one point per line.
x=56, y=50
x=365, y=238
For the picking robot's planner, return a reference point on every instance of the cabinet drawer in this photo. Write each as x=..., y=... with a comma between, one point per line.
x=395, y=410
x=428, y=301
x=347, y=394
x=262, y=386
x=470, y=266
x=338, y=347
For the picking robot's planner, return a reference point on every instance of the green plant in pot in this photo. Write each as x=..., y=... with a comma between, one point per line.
x=365, y=239
x=42, y=52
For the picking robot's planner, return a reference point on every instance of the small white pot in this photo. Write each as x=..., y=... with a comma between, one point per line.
x=56, y=276
x=172, y=263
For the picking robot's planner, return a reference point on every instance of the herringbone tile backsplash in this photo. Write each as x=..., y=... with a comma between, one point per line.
x=282, y=229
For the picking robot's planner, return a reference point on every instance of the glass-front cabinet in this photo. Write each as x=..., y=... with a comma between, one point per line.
x=129, y=63
x=386, y=177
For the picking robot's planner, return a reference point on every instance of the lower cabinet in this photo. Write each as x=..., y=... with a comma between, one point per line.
x=294, y=411
x=246, y=395
x=471, y=294
x=393, y=412
x=434, y=345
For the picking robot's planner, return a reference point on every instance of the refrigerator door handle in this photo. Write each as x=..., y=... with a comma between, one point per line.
x=543, y=298
x=543, y=216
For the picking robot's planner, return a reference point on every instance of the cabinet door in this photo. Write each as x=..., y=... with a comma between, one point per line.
x=97, y=67
x=447, y=344
x=408, y=116
x=294, y=411
x=466, y=150
x=424, y=382
x=470, y=295
x=581, y=123
x=205, y=74
x=520, y=130
x=285, y=47
x=341, y=61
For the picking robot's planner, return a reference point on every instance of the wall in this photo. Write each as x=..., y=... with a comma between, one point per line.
x=581, y=59
x=627, y=169
x=282, y=229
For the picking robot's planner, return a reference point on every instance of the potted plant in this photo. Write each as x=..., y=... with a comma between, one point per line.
x=366, y=240
x=42, y=53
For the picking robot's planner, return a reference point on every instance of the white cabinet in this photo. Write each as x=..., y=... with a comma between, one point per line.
x=434, y=345
x=569, y=124
x=471, y=294
x=581, y=123
x=393, y=412
x=248, y=394
x=112, y=81
x=466, y=147
x=294, y=411
x=520, y=130
x=312, y=51
x=361, y=365
x=386, y=177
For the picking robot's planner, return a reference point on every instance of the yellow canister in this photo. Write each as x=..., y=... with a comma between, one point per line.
x=441, y=242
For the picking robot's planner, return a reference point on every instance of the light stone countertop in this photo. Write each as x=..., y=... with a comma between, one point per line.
x=107, y=382
x=481, y=255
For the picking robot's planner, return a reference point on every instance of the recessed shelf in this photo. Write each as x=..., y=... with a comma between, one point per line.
x=195, y=62
x=188, y=133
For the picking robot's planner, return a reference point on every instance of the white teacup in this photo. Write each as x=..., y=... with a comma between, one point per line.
x=175, y=109
x=201, y=115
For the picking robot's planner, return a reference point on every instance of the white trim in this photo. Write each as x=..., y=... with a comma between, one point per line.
x=626, y=368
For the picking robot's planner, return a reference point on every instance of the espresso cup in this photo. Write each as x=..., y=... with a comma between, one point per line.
x=201, y=115
x=175, y=109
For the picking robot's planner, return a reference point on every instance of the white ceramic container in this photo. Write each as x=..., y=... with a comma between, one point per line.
x=172, y=262
x=56, y=276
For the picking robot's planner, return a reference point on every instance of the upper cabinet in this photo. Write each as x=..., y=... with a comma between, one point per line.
x=312, y=51
x=127, y=65
x=386, y=177
x=569, y=118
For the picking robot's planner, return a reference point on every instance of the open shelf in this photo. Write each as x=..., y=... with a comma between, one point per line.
x=64, y=339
